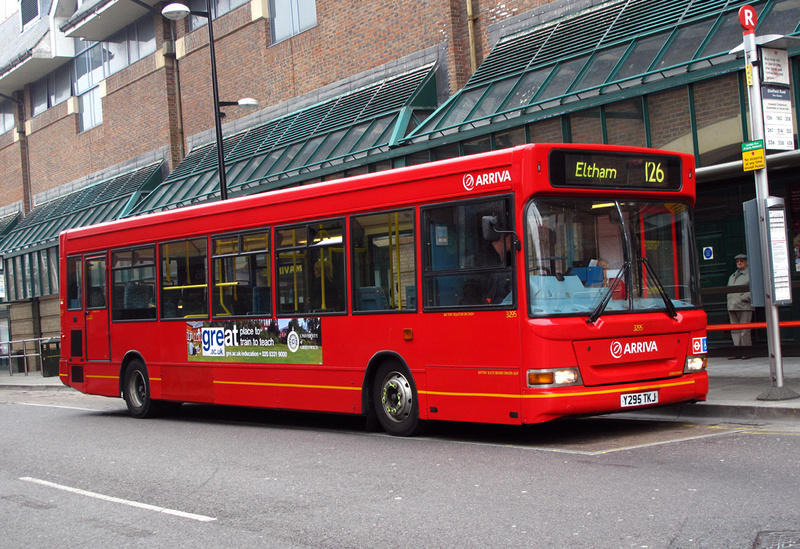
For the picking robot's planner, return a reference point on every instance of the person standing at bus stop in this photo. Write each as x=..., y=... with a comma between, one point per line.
x=740, y=308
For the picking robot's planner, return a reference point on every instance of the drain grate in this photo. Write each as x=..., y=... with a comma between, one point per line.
x=777, y=540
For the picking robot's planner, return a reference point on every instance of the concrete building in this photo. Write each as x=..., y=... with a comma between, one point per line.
x=107, y=110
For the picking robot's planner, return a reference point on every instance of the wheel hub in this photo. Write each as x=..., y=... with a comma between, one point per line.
x=396, y=397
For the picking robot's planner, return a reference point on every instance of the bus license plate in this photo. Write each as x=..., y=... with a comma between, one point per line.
x=639, y=399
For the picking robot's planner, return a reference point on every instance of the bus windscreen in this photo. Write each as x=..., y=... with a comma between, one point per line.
x=598, y=169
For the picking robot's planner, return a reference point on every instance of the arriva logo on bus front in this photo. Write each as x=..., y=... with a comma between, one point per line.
x=638, y=347
x=470, y=181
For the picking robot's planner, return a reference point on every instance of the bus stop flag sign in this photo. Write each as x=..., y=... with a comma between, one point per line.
x=753, y=155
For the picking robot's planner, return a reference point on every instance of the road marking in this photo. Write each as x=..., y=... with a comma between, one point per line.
x=634, y=446
x=112, y=499
x=58, y=406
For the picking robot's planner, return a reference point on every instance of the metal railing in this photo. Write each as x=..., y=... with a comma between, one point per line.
x=27, y=351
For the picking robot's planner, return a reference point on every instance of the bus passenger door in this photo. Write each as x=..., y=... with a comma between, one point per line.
x=96, y=308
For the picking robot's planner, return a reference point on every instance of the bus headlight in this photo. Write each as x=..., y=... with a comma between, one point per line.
x=694, y=364
x=554, y=377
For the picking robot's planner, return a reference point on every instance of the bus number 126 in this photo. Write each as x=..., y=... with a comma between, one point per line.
x=653, y=173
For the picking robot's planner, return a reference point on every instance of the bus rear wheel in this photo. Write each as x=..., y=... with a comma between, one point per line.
x=395, y=399
x=136, y=392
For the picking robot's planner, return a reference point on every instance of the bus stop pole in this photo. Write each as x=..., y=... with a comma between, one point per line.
x=747, y=18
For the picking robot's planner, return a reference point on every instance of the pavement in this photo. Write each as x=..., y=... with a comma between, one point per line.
x=733, y=395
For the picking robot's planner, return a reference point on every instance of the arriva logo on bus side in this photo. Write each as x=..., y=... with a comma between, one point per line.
x=470, y=181
x=618, y=349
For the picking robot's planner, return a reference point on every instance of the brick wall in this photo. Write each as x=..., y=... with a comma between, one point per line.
x=135, y=122
x=11, y=170
x=141, y=112
x=670, y=124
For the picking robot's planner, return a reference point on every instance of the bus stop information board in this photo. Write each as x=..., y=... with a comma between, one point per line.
x=753, y=155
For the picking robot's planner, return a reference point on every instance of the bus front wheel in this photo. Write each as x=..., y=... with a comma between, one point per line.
x=136, y=392
x=395, y=399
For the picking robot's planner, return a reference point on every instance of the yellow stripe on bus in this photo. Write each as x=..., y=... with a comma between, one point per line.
x=112, y=377
x=559, y=395
x=291, y=385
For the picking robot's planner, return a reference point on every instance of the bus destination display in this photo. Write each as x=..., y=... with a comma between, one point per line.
x=614, y=170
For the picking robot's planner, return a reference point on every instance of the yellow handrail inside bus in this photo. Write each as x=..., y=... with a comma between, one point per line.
x=396, y=297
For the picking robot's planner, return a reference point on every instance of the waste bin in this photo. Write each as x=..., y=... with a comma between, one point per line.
x=51, y=353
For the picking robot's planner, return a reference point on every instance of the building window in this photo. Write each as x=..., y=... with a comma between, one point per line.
x=88, y=74
x=291, y=17
x=132, y=43
x=51, y=90
x=29, y=10
x=218, y=9
x=91, y=109
x=6, y=116
x=94, y=62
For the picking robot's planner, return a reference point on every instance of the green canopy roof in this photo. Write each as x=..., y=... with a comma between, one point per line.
x=104, y=201
x=606, y=49
x=7, y=222
x=326, y=135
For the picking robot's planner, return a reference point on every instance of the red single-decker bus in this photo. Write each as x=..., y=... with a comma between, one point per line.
x=512, y=287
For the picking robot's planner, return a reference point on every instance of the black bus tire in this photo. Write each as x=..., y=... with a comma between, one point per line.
x=395, y=400
x=136, y=392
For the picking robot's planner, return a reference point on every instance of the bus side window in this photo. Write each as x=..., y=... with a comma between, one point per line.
x=462, y=267
x=134, y=284
x=242, y=275
x=384, y=265
x=184, y=279
x=310, y=266
x=74, y=278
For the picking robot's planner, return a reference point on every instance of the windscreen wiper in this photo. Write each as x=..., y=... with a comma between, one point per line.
x=606, y=298
x=671, y=311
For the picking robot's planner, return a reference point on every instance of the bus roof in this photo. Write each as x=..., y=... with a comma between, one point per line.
x=492, y=172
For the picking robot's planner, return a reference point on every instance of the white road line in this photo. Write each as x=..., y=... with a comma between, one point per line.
x=182, y=514
x=59, y=406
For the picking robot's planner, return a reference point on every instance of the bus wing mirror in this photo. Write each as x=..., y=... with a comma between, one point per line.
x=490, y=232
x=489, y=222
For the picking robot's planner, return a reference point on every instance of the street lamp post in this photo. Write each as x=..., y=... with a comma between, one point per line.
x=176, y=12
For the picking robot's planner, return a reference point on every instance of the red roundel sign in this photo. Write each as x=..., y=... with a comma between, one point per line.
x=747, y=17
